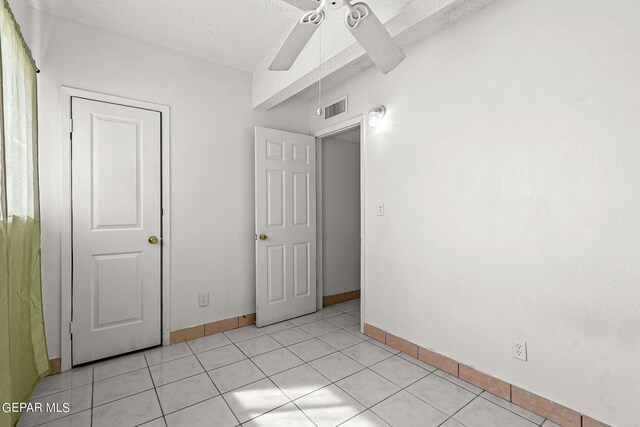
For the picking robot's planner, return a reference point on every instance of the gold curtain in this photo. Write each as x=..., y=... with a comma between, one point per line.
x=23, y=350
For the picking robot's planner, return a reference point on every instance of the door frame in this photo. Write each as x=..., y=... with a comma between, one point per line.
x=320, y=135
x=66, y=213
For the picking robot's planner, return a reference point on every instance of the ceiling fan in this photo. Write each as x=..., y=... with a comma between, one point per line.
x=360, y=20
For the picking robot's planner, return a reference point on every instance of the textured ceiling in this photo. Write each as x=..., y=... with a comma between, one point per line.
x=237, y=33
x=304, y=4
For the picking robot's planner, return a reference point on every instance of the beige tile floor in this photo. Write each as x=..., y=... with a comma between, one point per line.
x=316, y=370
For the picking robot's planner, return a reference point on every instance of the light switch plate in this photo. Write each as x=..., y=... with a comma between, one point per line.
x=381, y=209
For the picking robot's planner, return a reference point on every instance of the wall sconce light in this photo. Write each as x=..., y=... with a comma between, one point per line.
x=376, y=115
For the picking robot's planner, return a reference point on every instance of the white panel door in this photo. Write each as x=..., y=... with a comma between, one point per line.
x=285, y=225
x=116, y=210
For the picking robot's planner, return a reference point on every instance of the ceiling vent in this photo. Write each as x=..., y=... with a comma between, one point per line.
x=336, y=108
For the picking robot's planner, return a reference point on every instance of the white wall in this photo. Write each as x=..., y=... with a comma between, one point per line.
x=509, y=165
x=341, y=216
x=211, y=160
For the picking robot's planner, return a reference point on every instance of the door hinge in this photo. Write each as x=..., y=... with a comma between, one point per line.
x=71, y=328
x=70, y=125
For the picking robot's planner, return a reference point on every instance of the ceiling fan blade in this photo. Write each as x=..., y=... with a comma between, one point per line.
x=297, y=39
x=374, y=38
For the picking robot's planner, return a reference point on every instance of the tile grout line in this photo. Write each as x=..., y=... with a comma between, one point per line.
x=303, y=413
x=148, y=367
x=467, y=404
x=438, y=409
x=354, y=373
x=309, y=339
x=405, y=389
x=191, y=376
x=265, y=377
x=304, y=362
x=580, y=415
x=155, y=389
x=452, y=382
x=120, y=375
x=480, y=395
x=217, y=389
x=366, y=408
x=124, y=397
x=93, y=383
x=44, y=396
x=391, y=395
x=513, y=412
x=248, y=358
x=499, y=406
x=285, y=347
x=339, y=328
x=142, y=391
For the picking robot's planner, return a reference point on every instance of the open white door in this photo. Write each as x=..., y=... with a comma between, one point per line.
x=285, y=225
x=116, y=229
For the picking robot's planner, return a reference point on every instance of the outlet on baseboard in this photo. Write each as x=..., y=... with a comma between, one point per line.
x=204, y=299
x=520, y=349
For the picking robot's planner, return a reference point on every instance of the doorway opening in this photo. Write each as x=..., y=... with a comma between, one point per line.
x=339, y=216
x=307, y=194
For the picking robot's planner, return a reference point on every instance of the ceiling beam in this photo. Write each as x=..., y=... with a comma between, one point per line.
x=418, y=20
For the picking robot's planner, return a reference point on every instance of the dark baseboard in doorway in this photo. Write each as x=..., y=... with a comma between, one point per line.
x=337, y=299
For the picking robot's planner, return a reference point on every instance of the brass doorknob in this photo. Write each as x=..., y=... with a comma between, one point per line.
x=153, y=240
x=263, y=236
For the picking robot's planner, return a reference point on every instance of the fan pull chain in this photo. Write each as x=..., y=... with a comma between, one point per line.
x=320, y=72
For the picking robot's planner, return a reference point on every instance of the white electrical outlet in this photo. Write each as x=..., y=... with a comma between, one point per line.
x=381, y=209
x=520, y=349
x=204, y=299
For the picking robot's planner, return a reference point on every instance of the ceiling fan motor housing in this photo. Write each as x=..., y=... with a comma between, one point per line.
x=360, y=20
x=331, y=4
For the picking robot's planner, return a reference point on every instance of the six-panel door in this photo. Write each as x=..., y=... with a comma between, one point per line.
x=285, y=225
